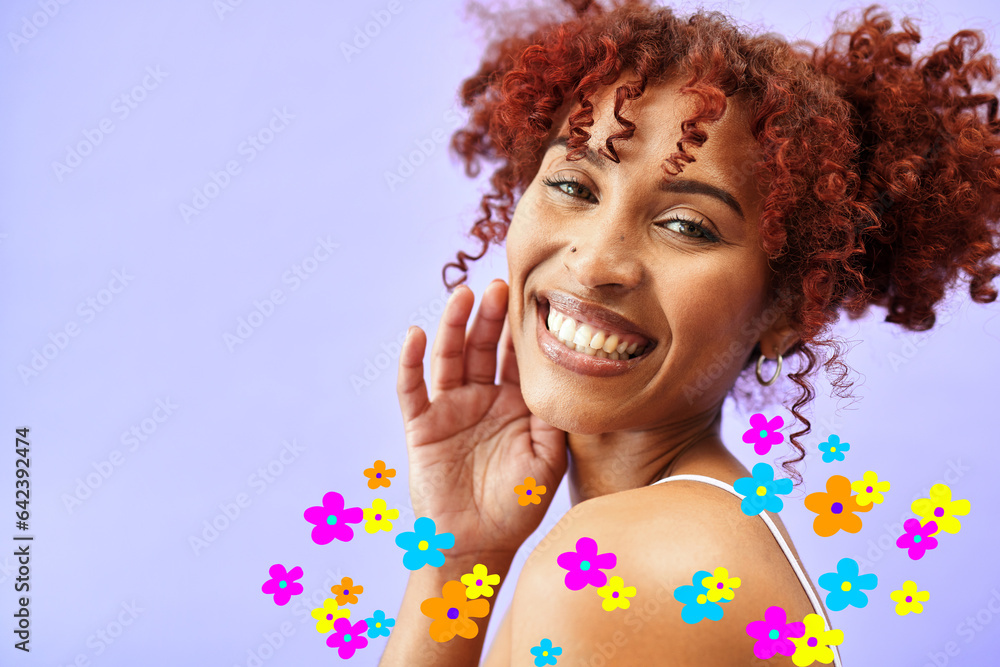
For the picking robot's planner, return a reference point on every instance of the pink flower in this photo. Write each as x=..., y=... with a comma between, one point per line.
x=282, y=584
x=585, y=565
x=331, y=519
x=347, y=638
x=917, y=539
x=772, y=634
x=763, y=433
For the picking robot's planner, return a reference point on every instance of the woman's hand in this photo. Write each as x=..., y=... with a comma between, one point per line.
x=473, y=441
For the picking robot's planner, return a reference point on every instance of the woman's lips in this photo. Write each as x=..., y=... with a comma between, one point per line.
x=578, y=362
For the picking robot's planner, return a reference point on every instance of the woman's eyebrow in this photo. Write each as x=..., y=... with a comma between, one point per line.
x=678, y=185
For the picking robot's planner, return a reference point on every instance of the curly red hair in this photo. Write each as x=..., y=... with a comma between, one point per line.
x=894, y=164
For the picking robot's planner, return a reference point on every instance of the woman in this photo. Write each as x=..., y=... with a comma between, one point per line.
x=679, y=203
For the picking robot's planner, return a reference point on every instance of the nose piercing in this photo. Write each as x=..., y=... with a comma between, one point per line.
x=572, y=249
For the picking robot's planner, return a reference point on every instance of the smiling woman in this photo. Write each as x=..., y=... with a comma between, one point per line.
x=674, y=195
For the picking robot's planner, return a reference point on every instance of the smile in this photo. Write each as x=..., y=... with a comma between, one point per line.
x=585, y=348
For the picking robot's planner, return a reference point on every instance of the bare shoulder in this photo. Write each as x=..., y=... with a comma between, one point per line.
x=661, y=536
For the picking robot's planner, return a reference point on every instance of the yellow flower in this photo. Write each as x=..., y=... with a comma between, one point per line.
x=909, y=598
x=377, y=517
x=869, y=489
x=941, y=509
x=816, y=642
x=479, y=582
x=615, y=594
x=719, y=585
x=327, y=614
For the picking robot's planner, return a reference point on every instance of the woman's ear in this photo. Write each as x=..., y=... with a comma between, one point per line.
x=778, y=338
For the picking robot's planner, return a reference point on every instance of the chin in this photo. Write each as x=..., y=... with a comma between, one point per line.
x=557, y=412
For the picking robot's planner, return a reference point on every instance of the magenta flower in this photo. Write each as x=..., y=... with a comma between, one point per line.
x=331, y=519
x=763, y=433
x=917, y=539
x=282, y=584
x=772, y=634
x=585, y=565
x=347, y=638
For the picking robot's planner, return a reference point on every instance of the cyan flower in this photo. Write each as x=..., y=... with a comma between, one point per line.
x=423, y=545
x=845, y=585
x=545, y=653
x=697, y=606
x=761, y=489
x=833, y=449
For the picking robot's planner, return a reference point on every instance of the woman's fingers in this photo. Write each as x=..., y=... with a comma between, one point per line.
x=481, y=344
x=410, y=386
x=448, y=355
x=508, y=358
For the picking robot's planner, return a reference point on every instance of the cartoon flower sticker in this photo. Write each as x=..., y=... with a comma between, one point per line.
x=615, y=594
x=584, y=565
x=347, y=592
x=347, y=638
x=835, y=508
x=528, y=493
x=814, y=645
x=331, y=519
x=763, y=434
x=453, y=613
x=377, y=517
x=941, y=509
x=327, y=614
x=545, y=653
x=479, y=582
x=917, y=539
x=833, y=449
x=847, y=586
x=697, y=606
x=774, y=634
x=869, y=489
x=719, y=586
x=378, y=475
x=378, y=624
x=423, y=545
x=282, y=583
x=909, y=598
x=761, y=489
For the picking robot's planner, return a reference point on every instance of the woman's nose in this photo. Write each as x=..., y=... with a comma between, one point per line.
x=604, y=257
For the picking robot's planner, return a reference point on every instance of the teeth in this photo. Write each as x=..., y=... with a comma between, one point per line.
x=584, y=334
x=590, y=341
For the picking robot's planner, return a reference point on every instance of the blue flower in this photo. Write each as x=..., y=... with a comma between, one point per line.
x=378, y=624
x=697, y=606
x=545, y=653
x=423, y=545
x=833, y=449
x=845, y=585
x=760, y=490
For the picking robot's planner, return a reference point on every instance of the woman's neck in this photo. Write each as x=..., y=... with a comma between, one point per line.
x=612, y=462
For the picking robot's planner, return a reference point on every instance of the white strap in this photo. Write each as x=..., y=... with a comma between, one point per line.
x=781, y=543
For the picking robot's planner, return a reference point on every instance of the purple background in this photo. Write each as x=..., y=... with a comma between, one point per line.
x=928, y=412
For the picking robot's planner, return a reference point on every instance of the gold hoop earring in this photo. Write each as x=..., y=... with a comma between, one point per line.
x=777, y=372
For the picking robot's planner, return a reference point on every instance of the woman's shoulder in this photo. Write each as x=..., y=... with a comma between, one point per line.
x=661, y=538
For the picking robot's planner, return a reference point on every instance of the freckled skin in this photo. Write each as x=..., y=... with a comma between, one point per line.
x=694, y=295
x=626, y=431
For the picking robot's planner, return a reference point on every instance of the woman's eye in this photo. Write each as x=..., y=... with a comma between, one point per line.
x=570, y=187
x=687, y=226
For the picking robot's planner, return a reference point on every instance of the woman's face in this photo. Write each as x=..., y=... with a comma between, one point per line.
x=688, y=291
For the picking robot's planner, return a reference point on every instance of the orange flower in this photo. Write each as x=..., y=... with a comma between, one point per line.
x=453, y=613
x=528, y=493
x=378, y=475
x=836, y=508
x=346, y=592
